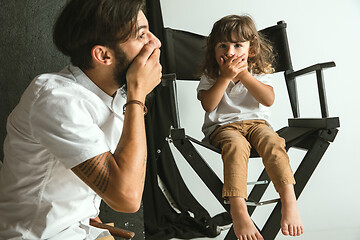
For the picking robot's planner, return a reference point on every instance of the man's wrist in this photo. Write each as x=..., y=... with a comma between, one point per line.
x=135, y=102
x=135, y=95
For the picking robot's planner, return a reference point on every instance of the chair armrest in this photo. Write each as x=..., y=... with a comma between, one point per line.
x=290, y=77
x=313, y=68
x=169, y=80
x=320, y=123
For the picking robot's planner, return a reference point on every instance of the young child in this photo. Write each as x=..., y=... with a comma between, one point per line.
x=236, y=94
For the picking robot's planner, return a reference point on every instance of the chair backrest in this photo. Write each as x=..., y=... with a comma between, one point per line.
x=184, y=50
x=278, y=37
x=184, y=53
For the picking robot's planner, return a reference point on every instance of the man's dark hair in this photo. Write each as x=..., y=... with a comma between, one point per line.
x=85, y=23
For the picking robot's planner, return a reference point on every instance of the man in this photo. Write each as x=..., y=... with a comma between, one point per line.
x=79, y=135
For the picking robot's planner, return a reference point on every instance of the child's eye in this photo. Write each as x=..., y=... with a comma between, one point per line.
x=222, y=45
x=237, y=45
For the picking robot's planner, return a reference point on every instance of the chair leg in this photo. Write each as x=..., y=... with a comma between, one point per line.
x=231, y=234
x=209, y=177
x=258, y=191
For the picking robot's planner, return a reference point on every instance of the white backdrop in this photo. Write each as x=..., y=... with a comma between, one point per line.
x=318, y=31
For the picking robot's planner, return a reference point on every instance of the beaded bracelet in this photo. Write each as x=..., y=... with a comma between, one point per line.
x=135, y=102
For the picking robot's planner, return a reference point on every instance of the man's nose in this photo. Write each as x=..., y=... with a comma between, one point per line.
x=156, y=42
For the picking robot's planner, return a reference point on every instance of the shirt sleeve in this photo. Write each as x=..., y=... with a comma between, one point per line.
x=205, y=83
x=62, y=122
x=264, y=78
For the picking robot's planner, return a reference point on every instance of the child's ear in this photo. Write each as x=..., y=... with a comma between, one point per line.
x=101, y=54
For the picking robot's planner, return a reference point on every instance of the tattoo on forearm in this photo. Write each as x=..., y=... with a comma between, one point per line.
x=89, y=168
x=102, y=178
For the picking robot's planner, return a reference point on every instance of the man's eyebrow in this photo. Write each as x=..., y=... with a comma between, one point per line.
x=141, y=27
x=138, y=29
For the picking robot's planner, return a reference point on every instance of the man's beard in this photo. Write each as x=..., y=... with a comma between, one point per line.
x=122, y=65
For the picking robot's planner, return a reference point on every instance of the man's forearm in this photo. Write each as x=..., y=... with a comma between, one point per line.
x=131, y=152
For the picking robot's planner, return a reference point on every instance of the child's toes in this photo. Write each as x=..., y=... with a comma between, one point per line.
x=285, y=230
x=290, y=230
x=300, y=230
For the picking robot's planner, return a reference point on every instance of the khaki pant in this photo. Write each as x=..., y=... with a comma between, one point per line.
x=236, y=140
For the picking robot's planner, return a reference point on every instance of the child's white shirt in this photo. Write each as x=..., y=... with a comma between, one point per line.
x=237, y=104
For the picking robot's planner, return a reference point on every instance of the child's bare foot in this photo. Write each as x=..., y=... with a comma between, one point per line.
x=291, y=223
x=244, y=227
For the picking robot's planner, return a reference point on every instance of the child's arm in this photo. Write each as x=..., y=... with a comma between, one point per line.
x=210, y=98
x=263, y=93
x=229, y=69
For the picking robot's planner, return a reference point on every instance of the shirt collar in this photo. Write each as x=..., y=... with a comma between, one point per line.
x=114, y=103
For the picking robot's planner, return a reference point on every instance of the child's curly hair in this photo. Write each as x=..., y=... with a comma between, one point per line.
x=235, y=28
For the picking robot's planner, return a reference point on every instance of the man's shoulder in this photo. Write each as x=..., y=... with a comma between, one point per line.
x=66, y=79
x=57, y=85
x=64, y=76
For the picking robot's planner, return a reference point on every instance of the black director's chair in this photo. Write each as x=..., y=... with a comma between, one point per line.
x=183, y=54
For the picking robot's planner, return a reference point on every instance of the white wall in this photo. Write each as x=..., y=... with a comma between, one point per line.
x=318, y=31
